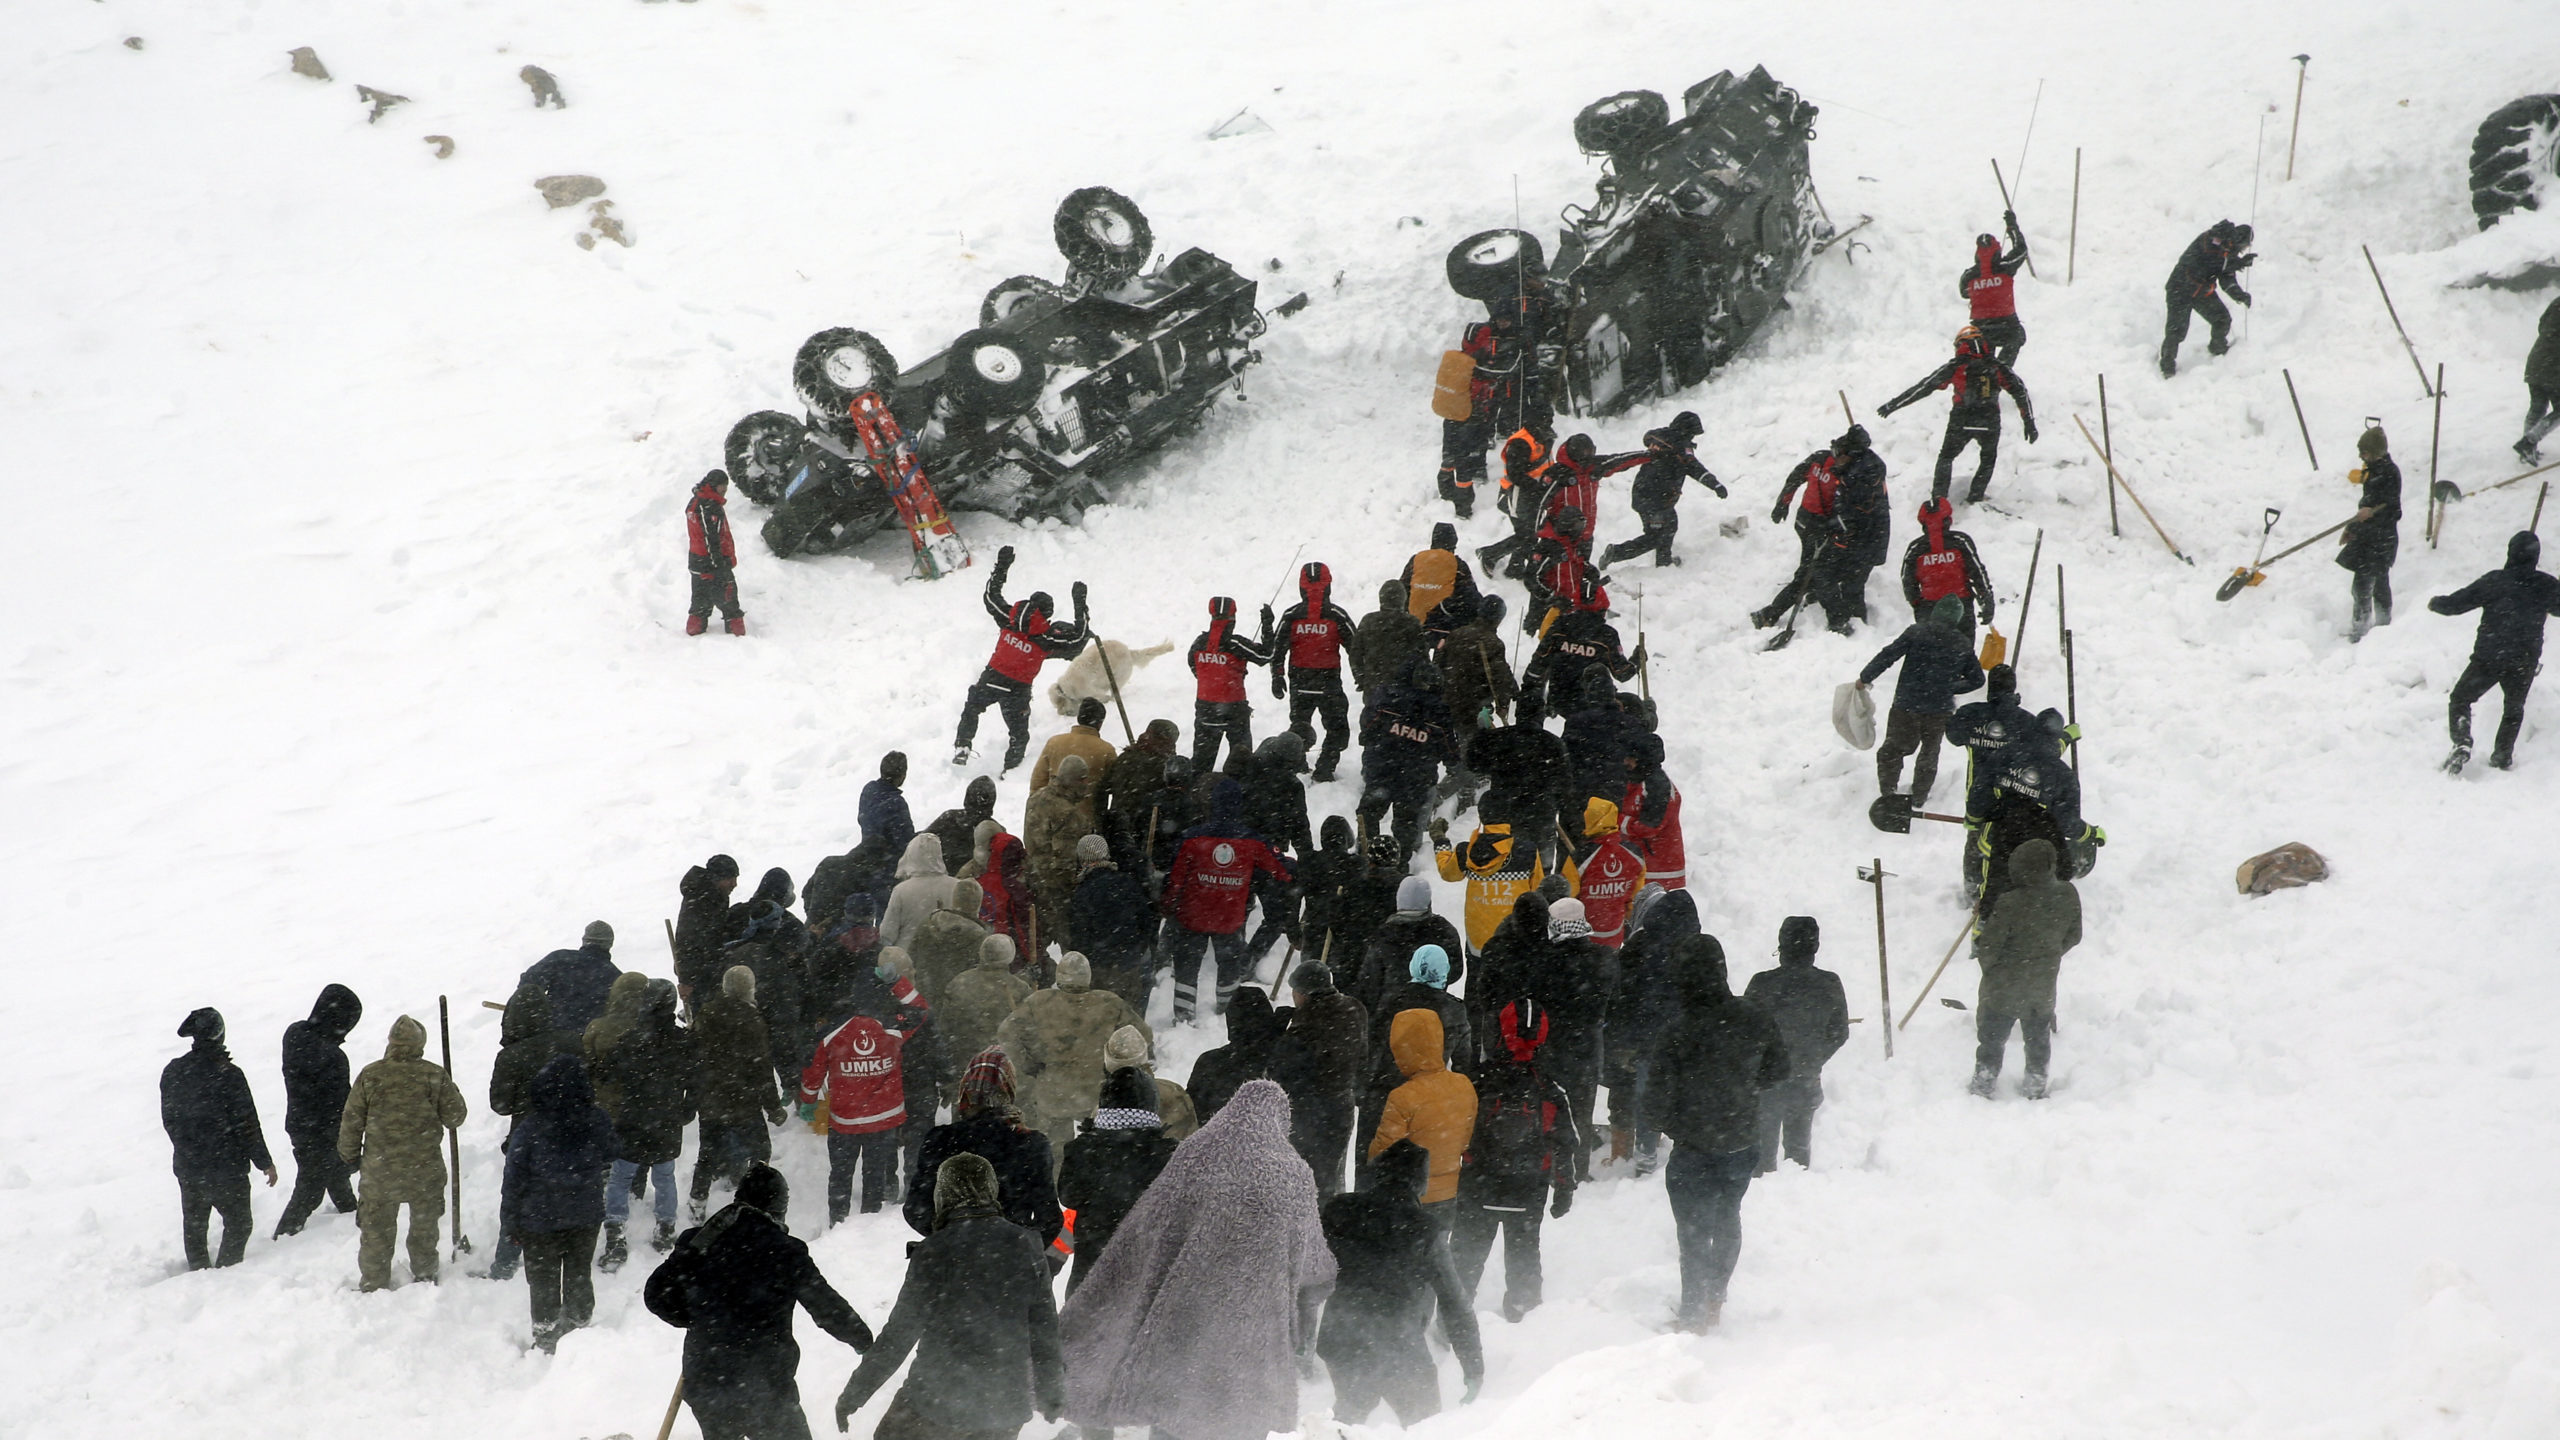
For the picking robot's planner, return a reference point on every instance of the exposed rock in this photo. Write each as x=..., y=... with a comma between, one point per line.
x=563, y=191
x=306, y=62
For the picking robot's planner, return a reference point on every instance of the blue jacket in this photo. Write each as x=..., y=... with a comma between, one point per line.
x=883, y=816
x=557, y=1158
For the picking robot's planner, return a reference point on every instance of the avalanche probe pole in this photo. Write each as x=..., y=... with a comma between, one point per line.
x=2107, y=452
x=2298, y=77
x=2394, y=311
x=453, y=1138
x=1105, y=652
x=2071, y=261
x=1884, y=978
x=2435, y=438
x=2539, y=496
x=2301, y=424
x=1844, y=406
x=2070, y=691
x=2012, y=209
x=1644, y=672
x=667, y=1426
x=1943, y=962
x=2130, y=491
x=2034, y=558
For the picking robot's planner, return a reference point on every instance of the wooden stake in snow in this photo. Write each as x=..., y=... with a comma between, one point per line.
x=2394, y=311
x=2130, y=492
x=2539, y=496
x=2435, y=437
x=1934, y=974
x=2071, y=257
x=1851, y=415
x=2006, y=205
x=2035, y=557
x=453, y=1138
x=2107, y=452
x=2299, y=76
x=2299, y=422
x=1884, y=978
x=1104, y=652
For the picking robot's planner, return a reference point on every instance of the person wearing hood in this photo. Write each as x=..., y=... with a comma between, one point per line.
x=1387, y=958
x=1988, y=730
x=1606, y=875
x=1387, y=640
x=985, y=1123
x=2541, y=385
x=1330, y=880
x=975, y=1003
x=1426, y=988
x=734, y=1088
x=1478, y=687
x=1084, y=740
x=1391, y=1271
x=730, y=1286
x=711, y=557
x=1812, y=1012
x=1275, y=799
x=1114, y=922
x=2212, y=260
x=2033, y=792
x=527, y=1042
x=850, y=947
x=315, y=1095
x=1122, y=1148
x=1670, y=460
x=641, y=1063
x=2513, y=602
x=1053, y=821
x=1435, y=1107
x=775, y=944
x=1528, y=779
x=924, y=887
x=998, y=864
x=1252, y=1032
x=1206, y=895
x=947, y=941
x=1598, y=735
x=551, y=1194
x=1942, y=564
x=858, y=1076
x=1938, y=664
x=1866, y=519
x=1575, y=985
x=1640, y=1009
x=392, y=1131
x=976, y=1311
x=2021, y=948
x=955, y=830
x=2371, y=539
x=1437, y=575
x=1406, y=735
x=1220, y=659
x=576, y=980
x=1512, y=959
x=1560, y=577
x=851, y=889
x=702, y=927
x=1978, y=380
x=1649, y=814
x=1026, y=639
x=1519, y=1163
x=1708, y=1072
x=1133, y=788
x=214, y=1141
x=1322, y=1060
x=1193, y=1319
x=1498, y=869
x=1055, y=1038
x=1990, y=287
x=1316, y=631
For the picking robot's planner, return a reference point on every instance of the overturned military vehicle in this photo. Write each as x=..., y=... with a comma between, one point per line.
x=1024, y=415
x=1700, y=225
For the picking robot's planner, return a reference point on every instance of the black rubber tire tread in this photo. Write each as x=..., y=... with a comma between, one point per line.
x=976, y=393
x=752, y=479
x=1082, y=213
x=817, y=390
x=2501, y=181
x=1626, y=122
x=1493, y=281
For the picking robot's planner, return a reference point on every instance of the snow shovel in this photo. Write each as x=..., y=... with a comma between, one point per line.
x=1786, y=637
x=1452, y=395
x=2242, y=579
x=1894, y=813
x=1995, y=648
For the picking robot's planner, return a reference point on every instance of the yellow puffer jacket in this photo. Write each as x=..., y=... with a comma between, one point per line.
x=1491, y=865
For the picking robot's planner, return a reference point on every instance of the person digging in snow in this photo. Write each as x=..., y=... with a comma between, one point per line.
x=2213, y=260
x=1938, y=664
x=711, y=557
x=1940, y=563
x=2371, y=539
x=1220, y=659
x=2021, y=948
x=1841, y=531
x=1670, y=457
x=215, y=1141
x=1977, y=378
x=1812, y=1011
x=2513, y=602
x=1990, y=286
x=1026, y=639
x=1391, y=1270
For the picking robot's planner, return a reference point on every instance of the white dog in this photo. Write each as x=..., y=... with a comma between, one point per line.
x=1084, y=678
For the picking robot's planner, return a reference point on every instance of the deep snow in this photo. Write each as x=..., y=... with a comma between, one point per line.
x=348, y=493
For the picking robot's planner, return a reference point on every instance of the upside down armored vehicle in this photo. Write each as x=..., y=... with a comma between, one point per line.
x=1024, y=415
x=1699, y=226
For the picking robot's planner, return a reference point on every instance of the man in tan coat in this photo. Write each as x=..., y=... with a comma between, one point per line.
x=1055, y=1039
x=974, y=1005
x=1084, y=740
x=393, y=1133
x=947, y=942
x=1052, y=823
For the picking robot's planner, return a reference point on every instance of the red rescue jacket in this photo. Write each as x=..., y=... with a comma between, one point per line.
x=1993, y=294
x=1019, y=654
x=857, y=1068
x=706, y=528
x=1315, y=625
x=1665, y=855
x=1212, y=881
x=1606, y=884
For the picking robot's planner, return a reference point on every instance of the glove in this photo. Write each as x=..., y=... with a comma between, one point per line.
x=2070, y=733
x=1075, y=593
x=1486, y=719
x=1439, y=830
x=1004, y=558
x=2244, y=262
x=1475, y=1387
x=2097, y=835
x=1266, y=619
x=1051, y=1412
x=1563, y=1204
x=844, y=1411
x=2009, y=219
x=2031, y=432
x=773, y=1116
x=808, y=1112
x=1641, y=655
x=2243, y=297
x=1779, y=515
x=1711, y=482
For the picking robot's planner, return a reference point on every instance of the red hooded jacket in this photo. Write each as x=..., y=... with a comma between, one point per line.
x=1220, y=657
x=706, y=528
x=1992, y=291
x=858, y=1069
x=1315, y=626
x=1211, y=884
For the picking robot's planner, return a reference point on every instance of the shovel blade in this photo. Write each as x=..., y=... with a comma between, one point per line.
x=1891, y=814
x=1779, y=641
x=2231, y=588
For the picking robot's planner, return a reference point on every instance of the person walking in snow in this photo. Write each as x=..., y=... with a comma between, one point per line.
x=1122, y=1148
x=1435, y=1107
x=1054, y=821
x=1193, y=1320
x=2513, y=602
x=315, y=1095
x=1640, y=1011
x=551, y=1194
x=1252, y=1032
x=1321, y=1061
x=1712, y=1064
x=711, y=557
x=734, y=1087
x=1978, y=380
x=392, y=1132
x=1386, y=640
x=1826, y=572
x=1990, y=286
x=1524, y=463
x=1207, y=894
x=1084, y=739
x=1497, y=864
x=1670, y=458
x=1055, y=1039
x=2371, y=539
x=1391, y=1271
x=1649, y=814
x=1315, y=632
x=775, y=944
x=214, y=1141
x=976, y=1311
x=2213, y=260
x=1406, y=736
x=1026, y=639
x=2033, y=793
x=2541, y=386
x=1985, y=730
x=641, y=1062
x=1506, y=390
x=1435, y=577
x=985, y=1123
x=2021, y=947
x=1130, y=1049
x=731, y=1285
x=527, y=1041
x=1574, y=645
x=956, y=829
x=1942, y=563
x=859, y=1075
x=1220, y=659
x=1812, y=1012
x=577, y=980
x=1386, y=954
x=1519, y=1163
x=702, y=929
x=1938, y=664
x=1579, y=977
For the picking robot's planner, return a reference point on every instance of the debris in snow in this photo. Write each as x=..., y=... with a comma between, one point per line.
x=563, y=191
x=546, y=90
x=306, y=63
x=380, y=100
x=443, y=144
x=2283, y=868
x=1243, y=122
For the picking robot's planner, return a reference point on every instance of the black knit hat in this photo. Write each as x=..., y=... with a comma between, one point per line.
x=203, y=1024
x=721, y=865
x=763, y=1188
x=1130, y=1088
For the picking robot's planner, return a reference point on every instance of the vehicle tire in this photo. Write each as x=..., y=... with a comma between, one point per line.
x=991, y=374
x=1103, y=233
x=1008, y=295
x=834, y=365
x=760, y=451
x=1623, y=124
x=2514, y=156
x=1490, y=265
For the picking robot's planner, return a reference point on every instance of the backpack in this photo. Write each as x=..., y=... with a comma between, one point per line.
x=1511, y=1142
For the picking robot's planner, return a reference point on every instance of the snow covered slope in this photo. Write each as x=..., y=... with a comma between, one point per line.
x=347, y=497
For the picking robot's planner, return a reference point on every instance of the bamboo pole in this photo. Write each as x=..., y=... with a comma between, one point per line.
x=2394, y=312
x=2071, y=260
x=2299, y=76
x=2131, y=492
x=2301, y=424
x=2435, y=438
x=2006, y=205
x=1884, y=977
x=2106, y=431
x=452, y=1137
x=2035, y=557
x=1943, y=962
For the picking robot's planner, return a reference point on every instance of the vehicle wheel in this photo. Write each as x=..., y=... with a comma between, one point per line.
x=1624, y=124
x=760, y=451
x=991, y=374
x=1009, y=295
x=835, y=365
x=2513, y=157
x=1103, y=233
x=1491, y=265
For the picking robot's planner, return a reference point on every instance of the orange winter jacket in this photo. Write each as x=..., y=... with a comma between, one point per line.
x=1435, y=1107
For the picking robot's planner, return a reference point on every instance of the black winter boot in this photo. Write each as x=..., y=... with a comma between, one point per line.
x=616, y=1250
x=664, y=1238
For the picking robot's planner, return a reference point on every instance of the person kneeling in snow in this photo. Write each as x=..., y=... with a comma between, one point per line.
x=1391, y=1268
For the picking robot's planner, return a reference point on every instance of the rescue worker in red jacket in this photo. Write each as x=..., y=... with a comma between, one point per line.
x=1607, y=875
x=1649, y=815
x=1977, y=380
x=1026, y=639
x=1315, y=629
x=711, y=556
x=1206, y=896
x=1817, y=531
x=1990, y=286
x=1219, y=659
x=1943, y=562
x=1507, y=392
x=859, y=1074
